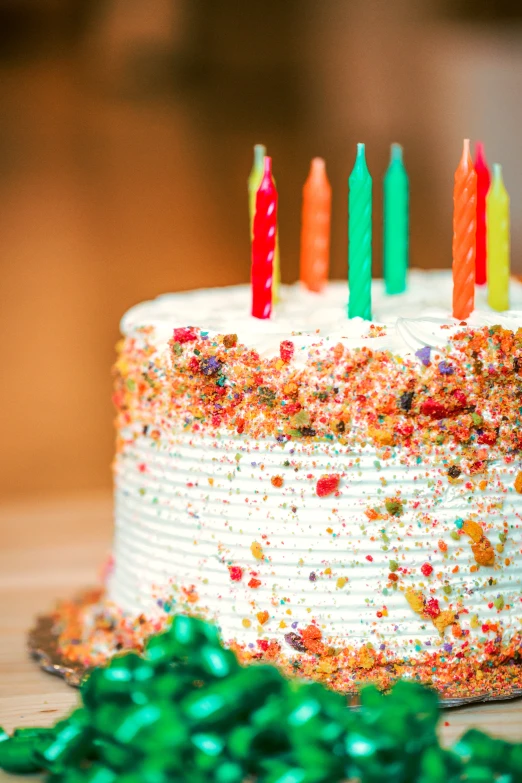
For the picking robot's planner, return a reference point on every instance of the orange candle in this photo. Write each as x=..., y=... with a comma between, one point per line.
x=315, y=227
x=464, y=236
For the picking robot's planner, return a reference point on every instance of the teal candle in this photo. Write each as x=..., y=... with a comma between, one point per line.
x=396, y=223
x=360, y=239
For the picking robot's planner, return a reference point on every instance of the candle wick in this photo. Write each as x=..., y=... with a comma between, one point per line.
x=465, y=151
x=259, y=155
x=360, y=168
x=396, y=152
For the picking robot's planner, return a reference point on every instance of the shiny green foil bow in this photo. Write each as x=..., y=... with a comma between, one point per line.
x=187, y=712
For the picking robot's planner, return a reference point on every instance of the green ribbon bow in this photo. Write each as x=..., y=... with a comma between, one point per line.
x=187, y=712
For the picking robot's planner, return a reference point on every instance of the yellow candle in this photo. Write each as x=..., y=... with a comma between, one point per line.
x=498, y=258
x=276, y=275
x=254, y=180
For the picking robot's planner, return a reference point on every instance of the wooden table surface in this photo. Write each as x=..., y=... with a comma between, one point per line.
x=52, y=548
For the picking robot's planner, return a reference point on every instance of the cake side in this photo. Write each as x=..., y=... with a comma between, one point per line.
x=348, y=507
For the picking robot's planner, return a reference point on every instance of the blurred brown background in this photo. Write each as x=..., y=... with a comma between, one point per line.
x=126, y=133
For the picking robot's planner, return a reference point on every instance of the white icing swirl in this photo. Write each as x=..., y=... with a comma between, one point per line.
x=409, y=321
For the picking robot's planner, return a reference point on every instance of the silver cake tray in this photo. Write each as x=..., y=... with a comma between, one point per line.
x=42, y=642
x=43, y=647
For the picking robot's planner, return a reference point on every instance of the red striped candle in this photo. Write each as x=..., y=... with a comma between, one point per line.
x=483, y=182
x=263, y=244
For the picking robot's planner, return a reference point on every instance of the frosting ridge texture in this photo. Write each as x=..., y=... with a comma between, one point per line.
x=348, y=498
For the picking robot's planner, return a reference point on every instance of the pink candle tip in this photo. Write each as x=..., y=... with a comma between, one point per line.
x=479, y=149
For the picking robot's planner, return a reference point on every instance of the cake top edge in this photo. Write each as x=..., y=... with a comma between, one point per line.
x=421, y=316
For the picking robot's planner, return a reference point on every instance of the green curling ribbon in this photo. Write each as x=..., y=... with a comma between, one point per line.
x=187, y=712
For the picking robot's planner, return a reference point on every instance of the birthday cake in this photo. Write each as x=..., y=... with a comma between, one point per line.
x=341, y=497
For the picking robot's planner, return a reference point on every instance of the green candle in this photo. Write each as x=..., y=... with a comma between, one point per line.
x=360, y=239
x=396, y=227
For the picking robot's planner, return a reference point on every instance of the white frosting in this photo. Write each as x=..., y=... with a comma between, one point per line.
x=192, y=504
x=172, y=526
x=412, y=319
